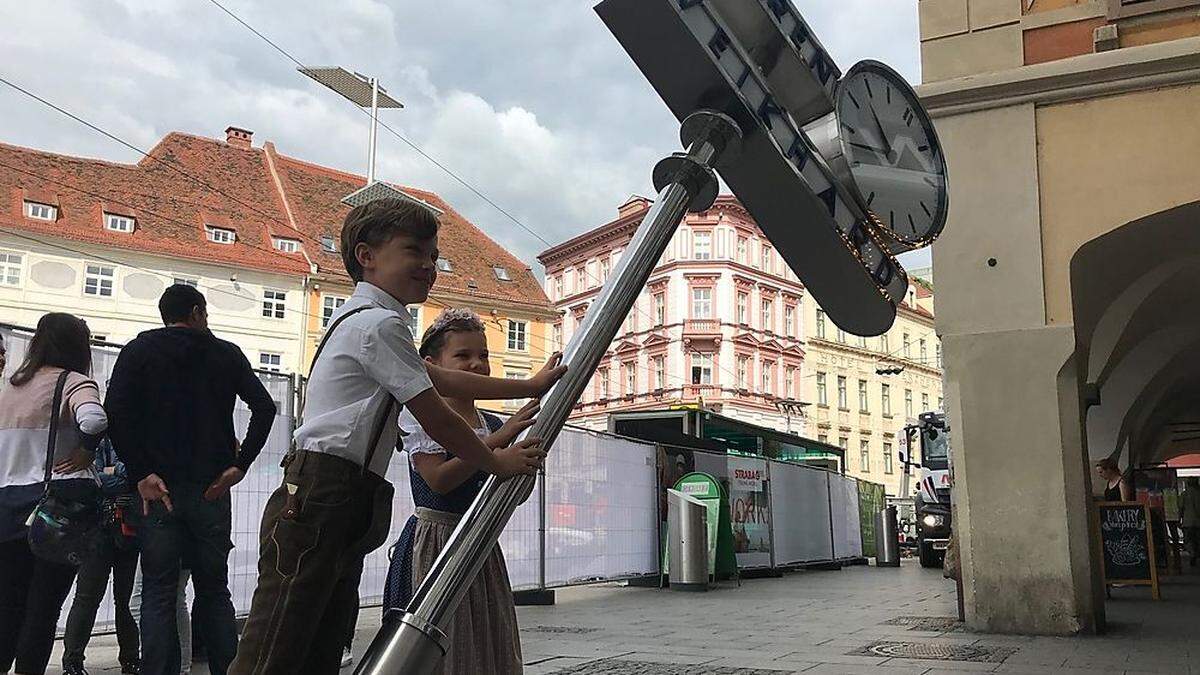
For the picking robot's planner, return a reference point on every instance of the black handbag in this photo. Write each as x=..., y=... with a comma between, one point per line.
x=65, y=525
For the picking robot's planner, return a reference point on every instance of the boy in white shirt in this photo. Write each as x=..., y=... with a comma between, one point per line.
x=334, y=506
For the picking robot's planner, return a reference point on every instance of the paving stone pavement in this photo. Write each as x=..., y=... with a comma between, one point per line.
x=817, y=623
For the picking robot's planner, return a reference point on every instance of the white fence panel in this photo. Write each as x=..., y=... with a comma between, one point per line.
x=800, y=510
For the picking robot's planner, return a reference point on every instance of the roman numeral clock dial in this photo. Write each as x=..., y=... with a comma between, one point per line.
x=893, y=154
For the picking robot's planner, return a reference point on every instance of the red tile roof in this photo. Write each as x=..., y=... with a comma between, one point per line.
x=172, y=208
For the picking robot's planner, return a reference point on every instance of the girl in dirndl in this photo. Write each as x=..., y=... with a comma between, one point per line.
x=483, y=632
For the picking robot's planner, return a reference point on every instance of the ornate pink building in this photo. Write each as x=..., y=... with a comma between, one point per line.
x=719, y=322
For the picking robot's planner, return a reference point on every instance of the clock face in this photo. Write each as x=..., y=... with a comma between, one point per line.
x=893, y=153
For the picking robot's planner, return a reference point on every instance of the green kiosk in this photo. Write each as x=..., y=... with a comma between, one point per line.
x=722, y=563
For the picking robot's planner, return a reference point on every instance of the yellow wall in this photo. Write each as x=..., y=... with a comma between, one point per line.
x=1105, y=162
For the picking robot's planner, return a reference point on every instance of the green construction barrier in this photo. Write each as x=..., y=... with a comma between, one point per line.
x=722, y=562
x=872, y=498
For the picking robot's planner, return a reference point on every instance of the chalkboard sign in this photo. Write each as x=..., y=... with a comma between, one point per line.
x=1127, y=544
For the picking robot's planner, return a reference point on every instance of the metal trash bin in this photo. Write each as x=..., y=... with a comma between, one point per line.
x=687, y=530
x=887, y=538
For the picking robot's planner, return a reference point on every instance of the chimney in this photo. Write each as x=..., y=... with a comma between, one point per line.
x=237, y=137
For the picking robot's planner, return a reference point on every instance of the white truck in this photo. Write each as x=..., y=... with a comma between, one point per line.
x=926, y=447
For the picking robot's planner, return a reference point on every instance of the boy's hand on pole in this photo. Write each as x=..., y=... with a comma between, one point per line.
x=522, y=458
x=547, y=376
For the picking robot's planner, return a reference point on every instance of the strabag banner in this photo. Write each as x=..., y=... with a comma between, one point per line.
x=750, y=504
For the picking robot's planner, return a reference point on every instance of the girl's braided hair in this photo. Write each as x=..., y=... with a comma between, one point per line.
x=454, y=320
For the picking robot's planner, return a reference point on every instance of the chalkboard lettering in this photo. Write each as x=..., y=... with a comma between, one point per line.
x=1127, y=544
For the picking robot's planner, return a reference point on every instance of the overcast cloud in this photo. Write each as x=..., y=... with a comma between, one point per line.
x=531, y=101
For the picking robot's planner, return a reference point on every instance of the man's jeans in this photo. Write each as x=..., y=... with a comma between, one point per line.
x=197, y=530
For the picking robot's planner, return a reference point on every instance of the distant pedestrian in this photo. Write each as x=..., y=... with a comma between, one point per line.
x=483, y=631
x=1116, y=486
x=1189, y=509
x=116, y=553
x=3, y=356
x=334, y=506
x=171, y=398
x=32, y=591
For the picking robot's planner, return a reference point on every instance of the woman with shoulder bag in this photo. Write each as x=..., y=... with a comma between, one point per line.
x=116, y=553
x=47, y=481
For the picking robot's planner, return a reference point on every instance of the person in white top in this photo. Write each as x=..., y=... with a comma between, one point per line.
x=334, y=506
x=32, y=591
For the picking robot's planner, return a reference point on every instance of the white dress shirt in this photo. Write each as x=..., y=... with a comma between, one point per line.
x=369, y=357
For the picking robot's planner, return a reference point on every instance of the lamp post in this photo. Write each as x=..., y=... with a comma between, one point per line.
x=362, y=91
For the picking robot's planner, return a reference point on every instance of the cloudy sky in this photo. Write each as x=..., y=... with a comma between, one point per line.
x=531, y=101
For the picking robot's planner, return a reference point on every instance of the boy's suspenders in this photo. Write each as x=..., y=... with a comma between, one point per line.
x=377, y=431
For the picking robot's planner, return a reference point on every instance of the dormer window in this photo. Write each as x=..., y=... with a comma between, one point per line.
x=444, y=265
x=285, y=245
x=328, y=245
x=118, y=223
x=501, y=273
x=220, y=235
x=40, y=211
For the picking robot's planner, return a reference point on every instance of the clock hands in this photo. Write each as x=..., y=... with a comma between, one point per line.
x=882, y=136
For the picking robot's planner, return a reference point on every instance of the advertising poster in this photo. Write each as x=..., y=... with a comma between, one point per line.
x=749, y=501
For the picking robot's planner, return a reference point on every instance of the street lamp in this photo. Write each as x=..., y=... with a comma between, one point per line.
x=362, y=91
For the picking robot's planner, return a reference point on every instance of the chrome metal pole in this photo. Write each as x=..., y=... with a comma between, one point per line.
x=415, y=642
x=374, y=130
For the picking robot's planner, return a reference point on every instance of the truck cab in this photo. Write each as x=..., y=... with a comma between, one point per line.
x=929, y=443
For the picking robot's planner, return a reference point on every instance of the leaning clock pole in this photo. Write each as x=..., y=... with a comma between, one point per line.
x=747, y=79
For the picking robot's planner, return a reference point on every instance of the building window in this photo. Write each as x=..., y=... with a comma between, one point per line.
x=743, y=370
x=660, y=372
x=630, y=379
x=186, y=281
x=886, y=400
x=602, y=376
x=789, y=383
x=118, y=223
x=864, y=455
x=41, y=211
x=98, y=280
x=743, y=301
x=821, y=324
x=701, y=303
x=768, y=263
x=941, y=403
x=843, y=395
x=883, y=344
x=580, y=286
x=862, y=342
x=273, y=304
x=220, y=235
x=660, y=309
x=328, y=244
x=516, y=336
x=921, y=348
x=605, y=266
x=841, y=336
x=908, y=404
x=285, y=245
x=822, y=394
x=741, y=250
x=768, y=315
x=924, y=401
x=862, y=396
x=888, y=466
x=789, y=321
x=907, y=346
x=270, y=361
x=702, y=245
x=843, y=443
x=558, y=284
x=938, y=354
x=329, y=305
x=501, y=273
x=702, y=368
x=10, y=268
x=414, y=321
x=556, y=336
x=767, y=370
x=824, y=438
x=513, y=403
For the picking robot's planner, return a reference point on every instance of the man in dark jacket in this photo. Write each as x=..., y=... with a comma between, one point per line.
x=170, y=405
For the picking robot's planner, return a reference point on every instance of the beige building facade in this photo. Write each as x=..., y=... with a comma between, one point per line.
x=1067, y=277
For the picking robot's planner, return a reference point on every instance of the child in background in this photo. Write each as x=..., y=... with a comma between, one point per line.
x=483, y=632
